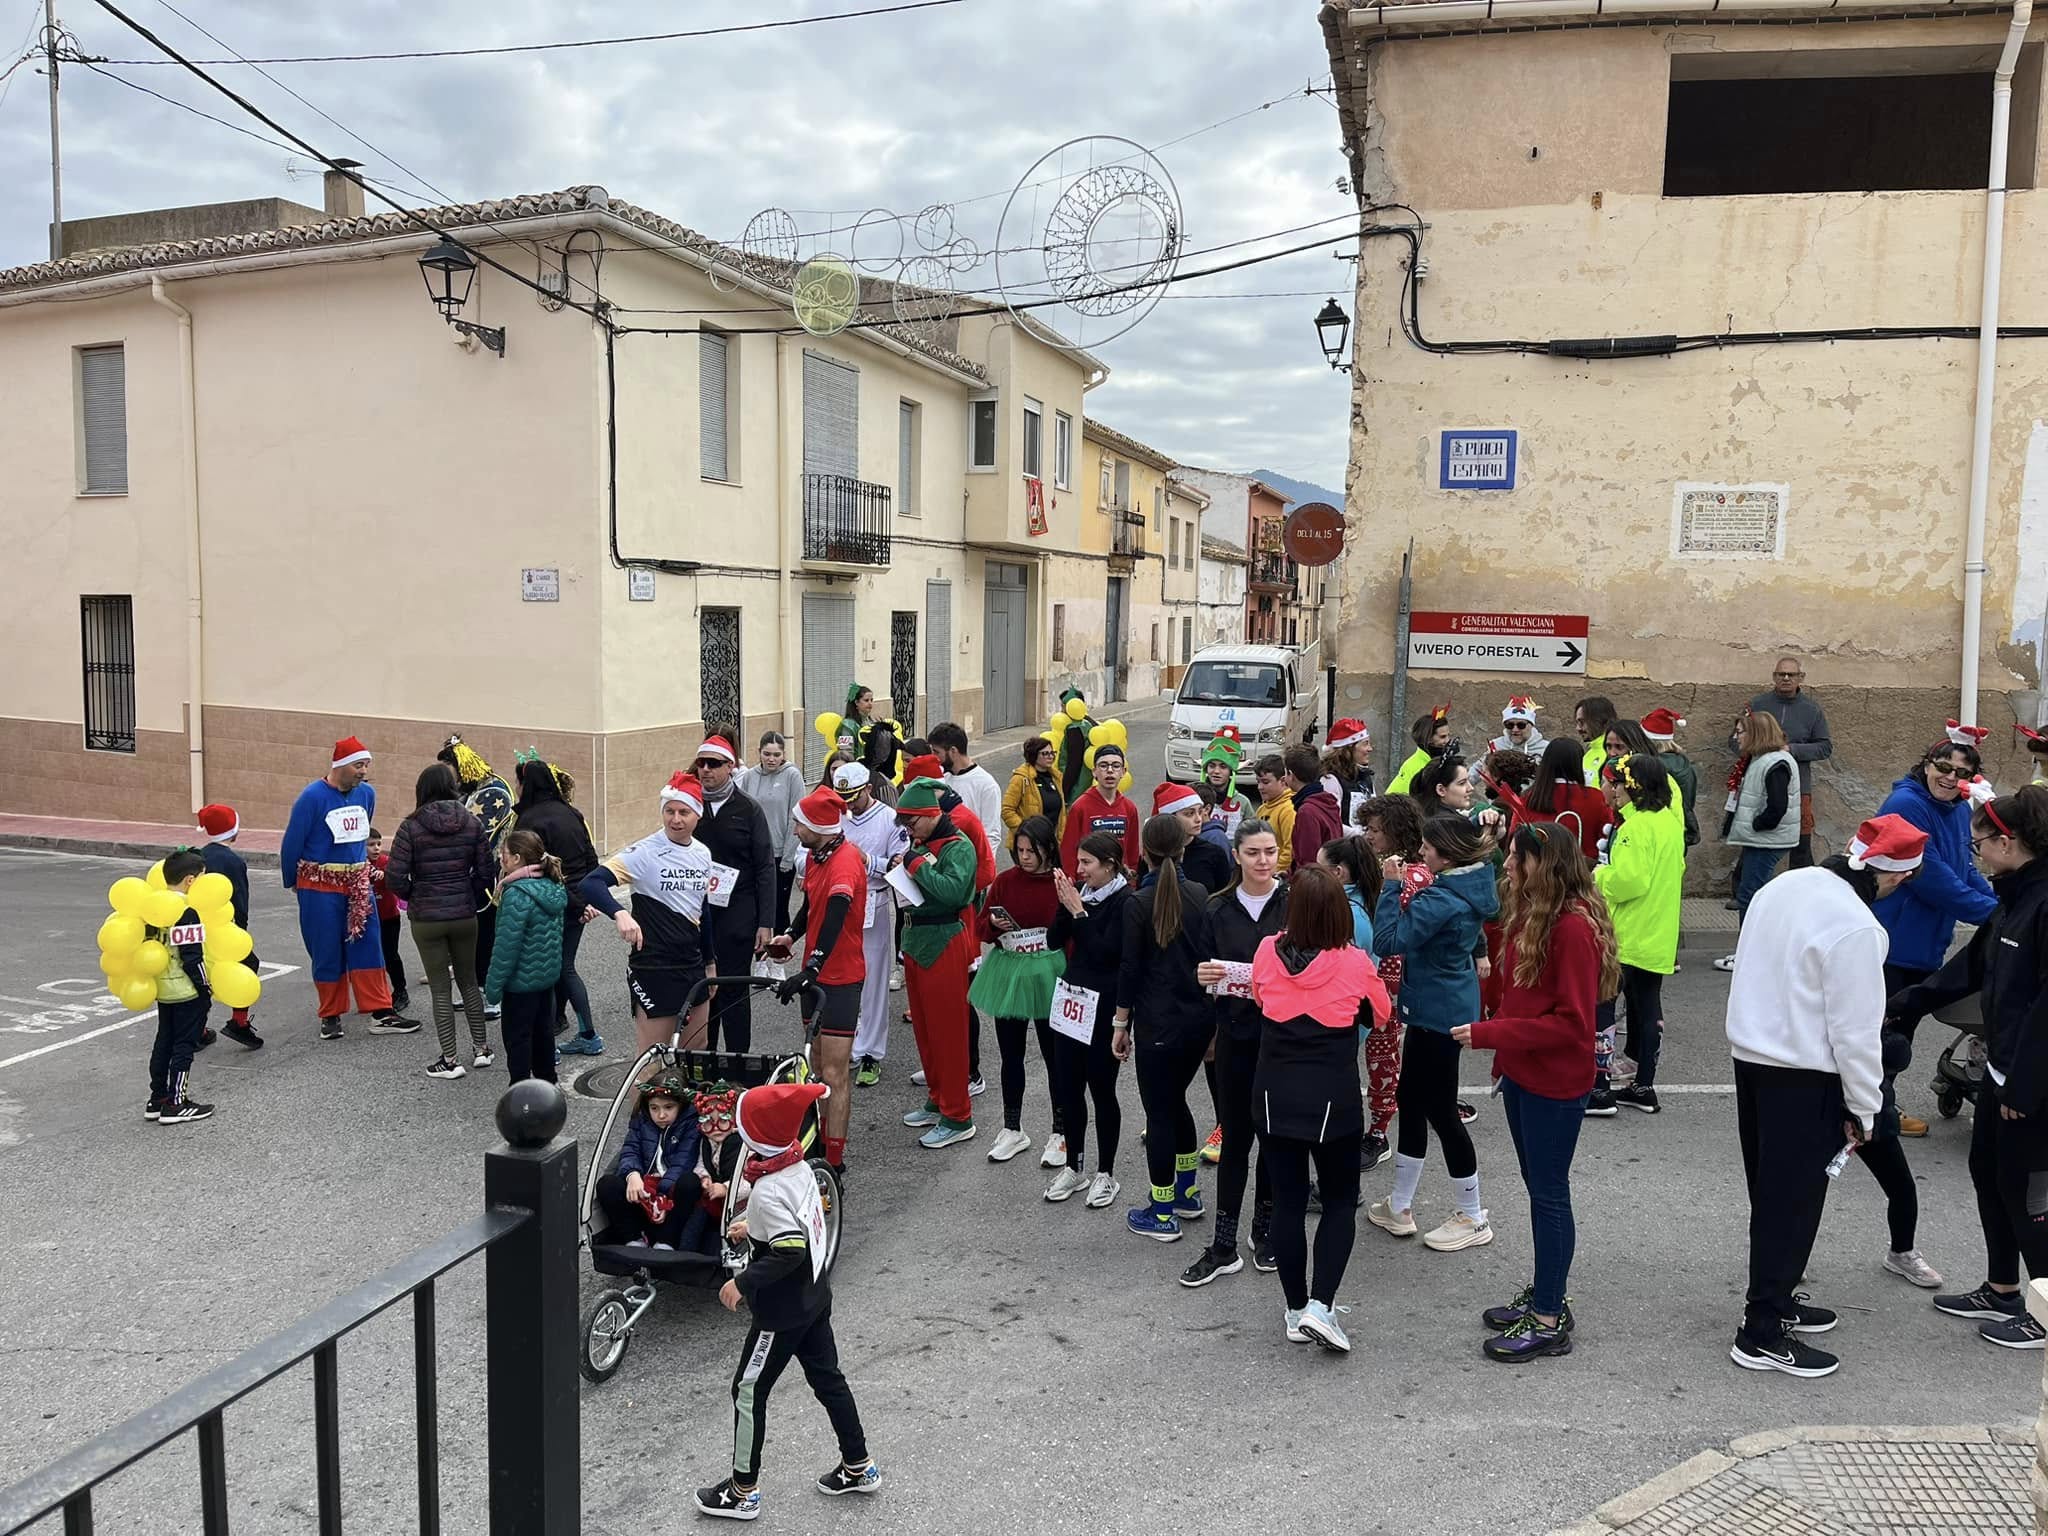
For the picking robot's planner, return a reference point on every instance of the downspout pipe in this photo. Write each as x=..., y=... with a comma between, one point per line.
x=1987, y=359
x=195, y=599
x=785, y=555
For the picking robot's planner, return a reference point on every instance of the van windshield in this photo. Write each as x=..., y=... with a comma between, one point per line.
x=1258, y=683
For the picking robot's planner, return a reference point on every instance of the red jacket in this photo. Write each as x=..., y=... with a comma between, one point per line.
x=1587, y=811
x=1542, y=1037
x=1316, y=821
x=1091, y=812
x=387, y=904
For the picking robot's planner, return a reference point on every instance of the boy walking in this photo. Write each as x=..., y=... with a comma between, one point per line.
x=182, y=1000
x=221, y=827
x=784, y=1288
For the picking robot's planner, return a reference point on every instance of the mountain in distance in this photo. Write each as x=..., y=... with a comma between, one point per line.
x=1297, y=491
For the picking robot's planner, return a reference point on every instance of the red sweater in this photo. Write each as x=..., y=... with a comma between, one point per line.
x=1030, y=900
x=1542, y=1036
x=1091, y=812
x=1589, y=813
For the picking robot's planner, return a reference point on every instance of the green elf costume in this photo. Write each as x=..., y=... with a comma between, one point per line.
x=1226, y=749
x=938, y=948
x=1072, y=760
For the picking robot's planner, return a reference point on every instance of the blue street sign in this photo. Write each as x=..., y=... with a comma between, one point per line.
x=1478, y=459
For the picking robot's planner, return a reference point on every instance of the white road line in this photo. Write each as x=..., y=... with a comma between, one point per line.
x=270, y=969
x=1481, y=1090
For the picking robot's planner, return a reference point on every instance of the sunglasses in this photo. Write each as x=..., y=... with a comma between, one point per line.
x=1947, y=770
x=1518, y=725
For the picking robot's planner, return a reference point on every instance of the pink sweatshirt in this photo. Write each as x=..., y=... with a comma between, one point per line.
x=1328, y=991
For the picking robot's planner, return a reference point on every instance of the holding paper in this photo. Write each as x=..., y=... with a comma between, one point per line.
x=1234, y=980
x=907, y=893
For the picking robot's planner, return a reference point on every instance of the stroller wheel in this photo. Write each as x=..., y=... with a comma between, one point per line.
x=1950, y=1104
x=605, y=1336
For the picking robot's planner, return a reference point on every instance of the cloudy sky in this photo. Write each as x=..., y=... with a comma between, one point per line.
x=946, y=105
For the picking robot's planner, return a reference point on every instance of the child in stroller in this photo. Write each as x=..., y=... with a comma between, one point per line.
x=662, y=1148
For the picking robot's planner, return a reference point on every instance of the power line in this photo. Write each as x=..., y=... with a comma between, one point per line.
x=183, y=106
x=588, y=42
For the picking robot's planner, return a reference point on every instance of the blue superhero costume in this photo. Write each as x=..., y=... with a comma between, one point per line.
x=322, y=860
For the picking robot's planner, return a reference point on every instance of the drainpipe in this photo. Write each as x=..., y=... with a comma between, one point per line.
x=785, y=602
x=1987, y=359
x=195, y=606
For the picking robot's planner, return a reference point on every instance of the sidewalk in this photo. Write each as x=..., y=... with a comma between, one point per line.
x=127, y=839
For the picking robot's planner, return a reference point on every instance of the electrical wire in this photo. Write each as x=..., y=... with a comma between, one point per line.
x=185, y=106
x=588, y=42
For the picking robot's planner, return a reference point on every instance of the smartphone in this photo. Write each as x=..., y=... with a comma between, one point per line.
x=1004, y=914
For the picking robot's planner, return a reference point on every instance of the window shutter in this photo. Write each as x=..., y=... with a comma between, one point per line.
x=711, y=429
x=831, y=417
x=906, y=435
x=103, y=381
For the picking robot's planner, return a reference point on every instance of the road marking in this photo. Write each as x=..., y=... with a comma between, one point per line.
x=270, y=969
x=1480, y=1090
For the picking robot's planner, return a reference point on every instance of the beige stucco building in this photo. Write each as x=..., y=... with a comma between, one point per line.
x=1704, y=188
x=257, y=496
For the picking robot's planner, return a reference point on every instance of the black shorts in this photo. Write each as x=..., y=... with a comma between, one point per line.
x=662, y=994
x=839, y=1014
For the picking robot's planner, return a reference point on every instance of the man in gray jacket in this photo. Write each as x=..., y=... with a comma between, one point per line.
x=1806, y=738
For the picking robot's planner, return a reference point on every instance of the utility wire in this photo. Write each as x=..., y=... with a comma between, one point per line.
x=186, y=106
x=588, y=42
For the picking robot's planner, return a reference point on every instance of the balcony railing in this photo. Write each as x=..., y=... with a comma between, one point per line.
x=1127, y=535
x=1272, y=570
x=846, y=521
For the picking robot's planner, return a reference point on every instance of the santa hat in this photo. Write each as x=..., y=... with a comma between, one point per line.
x=349, y=750
x=1662, y=724
x=1349, y=733
x=920, y=798
x=1889, y=843
x=927, y=766
x=771, y=1118
x=1170, y=799
x=717, y=747
x=850, y=779
x=821, y=810
x=219, y=823
x=684, y=787
x=1971, y=736
x=1977, y=789
x=1520, y=707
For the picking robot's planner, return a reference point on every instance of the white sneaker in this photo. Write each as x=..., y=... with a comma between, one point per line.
x=976, y=1087
x=917, y=1078
x=1725, y=963
x=493, y=1010
x=1383, y=1215
x=446, y=1067
x=664, y=1247
x=1910, y=1266
x=1055, y=1152
x=1324, y=1329
x=1292, y=1319
x=1460, y=1232
x=484, y=1059
x=638, y=1242
x=1102, y=1191
x=896, y=979
x=1008, y=1144
x=1066, y=1184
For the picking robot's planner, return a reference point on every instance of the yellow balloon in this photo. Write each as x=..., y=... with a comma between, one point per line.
x=214, y=917
x=1100, y=736
x=155, y=878
x=151, y=960
x=1123, y=786
x=227, y=944
x=136, y=993
x=163, y=908
x=827, y=725
x=211, y=890
x=1117, y=733
x=127, y=895
x=120, y=934
x=235, y=985
x=1076, y=709
x=114, y=966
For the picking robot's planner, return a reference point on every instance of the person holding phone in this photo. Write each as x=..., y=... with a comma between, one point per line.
x=1015, y=983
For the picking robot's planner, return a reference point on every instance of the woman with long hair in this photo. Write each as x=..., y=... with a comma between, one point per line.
x=1312, y=985
x=1763, y=810
x=1559, y=793
x=441, y=868
x=1392, y=830
x=1557, y=962
x=1090, y=928
x=1642, y=881
x=544, y=810
x=1162, y=1012
x=775, y=784
x=1014, y=985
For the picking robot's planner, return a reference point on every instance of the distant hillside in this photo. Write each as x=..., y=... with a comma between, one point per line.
x=1298, y=491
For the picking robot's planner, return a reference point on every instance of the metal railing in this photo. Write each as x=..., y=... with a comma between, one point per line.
x=1127, y=534
x=528, y=1235
x=846, y=521
x=1272, y=570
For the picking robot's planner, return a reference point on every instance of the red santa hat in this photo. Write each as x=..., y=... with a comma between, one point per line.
x=1520, y=707
x=349, y=750
x=683, y=786
x=1171, y=799
x=926, y=767
x=219, y=823
x=822, y=810
x=771, y=1118
x=1977, y=789
x=716, y=747
x=1662, y=724
x=1971, y=736
x=1349, y=733
x=1889, y=843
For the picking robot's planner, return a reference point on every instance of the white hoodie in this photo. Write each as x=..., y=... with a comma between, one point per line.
x=1809, y=989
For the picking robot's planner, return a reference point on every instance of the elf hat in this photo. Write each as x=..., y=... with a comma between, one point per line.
x=1349, y=733
x=1967, y=735
x=850, y=779
x=920, y=798
x=349, y=750
x=1227, y=747
x=1520, y=707
x=821, y=810
x=219, y=823
x=1662, y=724
x=771, y=1118
x=1171, y=799
x=1889, y=843
x=717, y=747
x=684, y=787
x=926, y=767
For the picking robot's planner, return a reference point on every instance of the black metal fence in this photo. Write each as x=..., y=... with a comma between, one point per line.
x=846, y=520
x=528, y=1236
x=1127, y=535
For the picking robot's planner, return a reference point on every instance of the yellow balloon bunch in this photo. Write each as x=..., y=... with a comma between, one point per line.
x=132, y=960
x=1111, y=733
x=831, y=727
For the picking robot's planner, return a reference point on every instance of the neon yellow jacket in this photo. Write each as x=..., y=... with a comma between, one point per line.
x=1642, y=881
x=1415, y=762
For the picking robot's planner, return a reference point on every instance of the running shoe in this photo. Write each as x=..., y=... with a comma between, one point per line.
x=1008, y=1144
x=946, y=1132
x=977, y=1085
x=870, y=1073
x=1383, y=1215
x=1600, y=1104
x=1264, y=1259
x=1500, y=1319
x=583, y=1045
x=182, y=1112
x=1527, y=1339
x=1055, y=1152
x=206, y=1037
x=896, y=979
x=1187, y=1204
x=483, y=1059
x=1149, y=1221
x=2020, y=1333
x=153, y=1108
x=1209, y=1264
x=330, y=1029
x=726, y=1501
x=1467, y=1111
x=1637, y=1097
x=1459, y=1232
x=447, y=1067
x=917, y=1078
x=1066, y=1184
x=243, y=1035
x=1323, y=1329
x=1793, y=1356
x=1810, y=1319
x=1292, y=1316
x=1212, y=1149
x=493, y=1010
x=1983, y=1302
x=923, y=1119
x=1910, y=1266
x=1373, y=1151
x=1727, y=963
x=1102, y=1192
x=390, y=1023
x=843, y=1479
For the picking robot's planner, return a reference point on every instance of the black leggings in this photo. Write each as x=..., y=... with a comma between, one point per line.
x=1081, y=1073
x=1643, y=993
x=1164, y=1075
x=1231, y=1082
x=1336, y=1166
x=1428, y=1100
x=2009, y=1168
x=1011, y=1036
x=1885, y=1157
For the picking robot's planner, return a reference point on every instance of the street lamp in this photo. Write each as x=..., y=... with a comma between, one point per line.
x=1333, y=326
x=449, y=271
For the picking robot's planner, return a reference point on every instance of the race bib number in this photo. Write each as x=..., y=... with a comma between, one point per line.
x=718, y=888
x=348, y=824
x=1237, y=979
x=1074, y=1009
x=186, y=933
x=1023, y=941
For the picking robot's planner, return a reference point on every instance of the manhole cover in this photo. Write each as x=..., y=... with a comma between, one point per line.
x=603, y=1082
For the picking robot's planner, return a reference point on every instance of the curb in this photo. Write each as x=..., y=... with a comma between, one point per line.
x=115, y=848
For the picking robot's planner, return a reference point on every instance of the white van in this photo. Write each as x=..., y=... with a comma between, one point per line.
x=1271, y=693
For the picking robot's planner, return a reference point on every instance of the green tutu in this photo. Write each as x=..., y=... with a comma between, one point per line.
x=1011, y=986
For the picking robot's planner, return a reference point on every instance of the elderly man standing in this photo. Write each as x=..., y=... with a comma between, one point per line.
x=322, y=860
x=1806, y=738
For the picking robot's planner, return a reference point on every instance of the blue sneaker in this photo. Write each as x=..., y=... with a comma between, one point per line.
x=1187, y=1203
x=946, y=1132
x=583, y=1045
x=920, y=1119
x=1155, y=1222
x=1322, y=1328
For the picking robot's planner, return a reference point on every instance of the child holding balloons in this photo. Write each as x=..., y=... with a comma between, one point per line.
x=182, y=996
x=222, y=826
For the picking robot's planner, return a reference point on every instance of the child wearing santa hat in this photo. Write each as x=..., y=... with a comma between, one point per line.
x=219, y=826
x=785, y=1289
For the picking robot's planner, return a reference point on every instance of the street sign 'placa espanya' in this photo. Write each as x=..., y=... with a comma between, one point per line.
x=1478, y=459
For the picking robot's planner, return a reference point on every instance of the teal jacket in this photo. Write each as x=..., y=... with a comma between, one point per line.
x=1641, y=883
x=527, y=954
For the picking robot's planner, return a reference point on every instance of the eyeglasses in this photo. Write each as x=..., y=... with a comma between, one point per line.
x=1947, y=770
x=1788, y=674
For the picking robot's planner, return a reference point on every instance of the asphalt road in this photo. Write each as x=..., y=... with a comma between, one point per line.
x=1020, y=1366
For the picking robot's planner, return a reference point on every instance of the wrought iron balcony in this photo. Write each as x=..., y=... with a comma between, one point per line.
x=1127, y=535
x=1272, y=572
x=846, y=521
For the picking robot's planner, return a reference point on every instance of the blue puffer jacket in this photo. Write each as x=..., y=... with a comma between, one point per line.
x=678, y=1145
x=1922, y=914
x=1436, y=938
x=1361, y=921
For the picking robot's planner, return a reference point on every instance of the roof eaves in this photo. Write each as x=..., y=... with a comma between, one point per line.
x=1123, y=442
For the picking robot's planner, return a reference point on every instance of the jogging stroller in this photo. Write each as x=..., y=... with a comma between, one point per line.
x=1959, y=1071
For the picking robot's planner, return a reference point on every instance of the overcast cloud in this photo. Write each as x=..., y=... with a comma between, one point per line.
x=942, y=105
